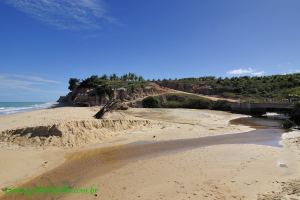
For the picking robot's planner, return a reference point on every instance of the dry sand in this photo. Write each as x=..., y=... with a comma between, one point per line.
x=239, y=171
x=76, y=127
x=216, y=172
x=65, y=127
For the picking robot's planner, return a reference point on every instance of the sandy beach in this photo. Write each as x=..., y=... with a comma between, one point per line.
x=144, y=154
x=149, y=100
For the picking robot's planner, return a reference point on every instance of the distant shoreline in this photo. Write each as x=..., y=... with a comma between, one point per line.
x=8, y=108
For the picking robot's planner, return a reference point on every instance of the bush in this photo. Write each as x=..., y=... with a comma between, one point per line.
x=185, y=101
x=177, y=97
x=221, y=105
x=229, y=95
x=151, y=102
x=104, y=90
x=175, y=101
x=173, y=104
x=287, y=124
x=199, y=103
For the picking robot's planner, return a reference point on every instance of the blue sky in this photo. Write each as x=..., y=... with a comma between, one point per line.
x=45, y=42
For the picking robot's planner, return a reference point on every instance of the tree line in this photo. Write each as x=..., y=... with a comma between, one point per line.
x=113, y=79
x=276, y=86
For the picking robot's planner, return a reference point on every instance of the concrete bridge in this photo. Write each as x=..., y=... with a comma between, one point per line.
x=261, y=108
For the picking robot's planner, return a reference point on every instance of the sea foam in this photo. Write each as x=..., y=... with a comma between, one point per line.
x=13, y=108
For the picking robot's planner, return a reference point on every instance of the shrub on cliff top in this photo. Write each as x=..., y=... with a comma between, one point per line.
x=113, y=80
x=73, y=83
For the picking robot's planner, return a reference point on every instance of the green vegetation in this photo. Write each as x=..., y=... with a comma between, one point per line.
x=129, y=80
x=276, y=87
x=106, y=84
x=73, y=83
x=186, y=101
x=180, y=100
x=291, y=92
x=151, y=102
x=221, y=105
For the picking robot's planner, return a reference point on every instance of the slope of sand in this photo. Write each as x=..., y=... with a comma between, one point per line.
x=240, y=171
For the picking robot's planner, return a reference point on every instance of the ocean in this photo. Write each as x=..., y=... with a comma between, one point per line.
x=15, y=107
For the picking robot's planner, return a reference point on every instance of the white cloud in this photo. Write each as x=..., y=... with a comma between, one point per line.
x=292, y=71
x=23, y=82
x=245, y=71
x=240, y=71
x=33, y=79
x=65, y=14
x=260, y=73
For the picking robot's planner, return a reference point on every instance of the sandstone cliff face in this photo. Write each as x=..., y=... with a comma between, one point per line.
x=89, y=97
